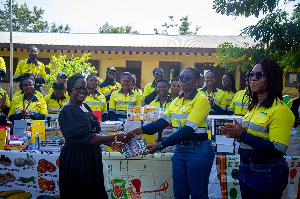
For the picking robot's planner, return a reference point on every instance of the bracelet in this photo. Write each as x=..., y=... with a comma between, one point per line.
x=116, y=137
x=159, y=145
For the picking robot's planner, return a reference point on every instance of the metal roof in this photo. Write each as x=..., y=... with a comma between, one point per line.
x=120, y=40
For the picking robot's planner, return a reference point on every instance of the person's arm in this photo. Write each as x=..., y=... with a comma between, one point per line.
x=263, y=146
x=148, y=99
x=155, y=126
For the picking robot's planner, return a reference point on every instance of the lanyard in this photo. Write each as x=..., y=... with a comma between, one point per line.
x=28, y=102
x=60, y=105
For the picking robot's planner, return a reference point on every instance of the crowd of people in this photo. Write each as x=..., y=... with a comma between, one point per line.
x=186, y=102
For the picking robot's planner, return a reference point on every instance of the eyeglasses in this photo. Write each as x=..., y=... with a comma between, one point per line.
x=157, y=73
x=112, y=72
x=258, y=75
x=78, y=89
x=186, y=78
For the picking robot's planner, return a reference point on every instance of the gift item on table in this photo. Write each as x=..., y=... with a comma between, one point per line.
x=137, y=113
x=51, y=144
x=15, y=142
x=19, y=127
x=223, y=144
x=130, y=113
x=14, y=137
x=111, y=126
x=135, y=148
x=53, y=132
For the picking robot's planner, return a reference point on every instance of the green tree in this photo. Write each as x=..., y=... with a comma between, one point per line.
x=277, y=35
x=183, y=29
x=26, y=20
x=106, y=28
x=70, y=67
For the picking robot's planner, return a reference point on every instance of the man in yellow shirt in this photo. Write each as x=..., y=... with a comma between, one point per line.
x=33, y=66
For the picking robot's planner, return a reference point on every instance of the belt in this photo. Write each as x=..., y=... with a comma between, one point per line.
x=258, y=161
x=191, y=143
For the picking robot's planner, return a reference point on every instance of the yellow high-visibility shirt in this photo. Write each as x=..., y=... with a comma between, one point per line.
x=239, y=103
x=25, y=66
x=7, y=101
x=107, y=90
x=53, y=105
x=229, y=96
x=21, y=92
x=37, y=105
x=165, y=105
x=149, y=88
x=119, y=102
x=273, y=124
x=97, y=102
x=2, y=64
x=190, y=112
x=217, y=94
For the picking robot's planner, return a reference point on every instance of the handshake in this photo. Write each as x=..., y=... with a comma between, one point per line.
x=132, y=147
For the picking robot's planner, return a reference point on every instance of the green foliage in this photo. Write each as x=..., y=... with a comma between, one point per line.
x=277, y=37
x=106, y=28
x=183, y=29
x=26, y=20
x=69, y=66
x=245, y=8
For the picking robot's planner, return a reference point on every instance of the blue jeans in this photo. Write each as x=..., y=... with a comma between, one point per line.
x=191, y=169
x=263, y=181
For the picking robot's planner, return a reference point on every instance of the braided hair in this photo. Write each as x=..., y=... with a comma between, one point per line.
x=58, y=85
x=273, y=73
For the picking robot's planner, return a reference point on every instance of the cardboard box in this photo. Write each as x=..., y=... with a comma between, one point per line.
x=40, y=129
x=3, y=136
x=137, y=113
x=130, y=113
x=147, y=113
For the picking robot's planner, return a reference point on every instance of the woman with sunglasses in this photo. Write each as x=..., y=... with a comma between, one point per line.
x=149, y=90
x=294, y=105
x=194, y=154
x=228, y=86
x=80, y=161
x=95, y=100
x=264, y=135
x=216, y=97
x=120, y=100
x=27, y=105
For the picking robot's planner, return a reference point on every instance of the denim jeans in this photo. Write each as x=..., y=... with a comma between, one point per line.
x=191, y=169
x=263, y=180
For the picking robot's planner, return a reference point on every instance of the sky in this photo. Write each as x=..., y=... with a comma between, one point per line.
x=86, y=16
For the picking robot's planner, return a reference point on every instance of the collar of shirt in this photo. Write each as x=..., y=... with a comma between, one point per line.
x=53, y=97
x=29, y=62
x=169, y=99
x=205, y=88
x=34, y=99
x=130, y=91
x=191, y=96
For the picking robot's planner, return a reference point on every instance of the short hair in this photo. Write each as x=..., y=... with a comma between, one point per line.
x=163, y=80
x=91, y=75
x=273, y=73
x=32, y=46
x=157, y=68
x=194, y=70
x=58, y=85
x=173, y=80
x=232, y=79
x=210, y=72
x=127, y=74
x=71, y=81
x=24, y=77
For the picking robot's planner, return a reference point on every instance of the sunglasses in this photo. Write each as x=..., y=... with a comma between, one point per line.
x=157, y=73
x=78, y=89
x=258, y=75
x=112, y=72
x=186, y=78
